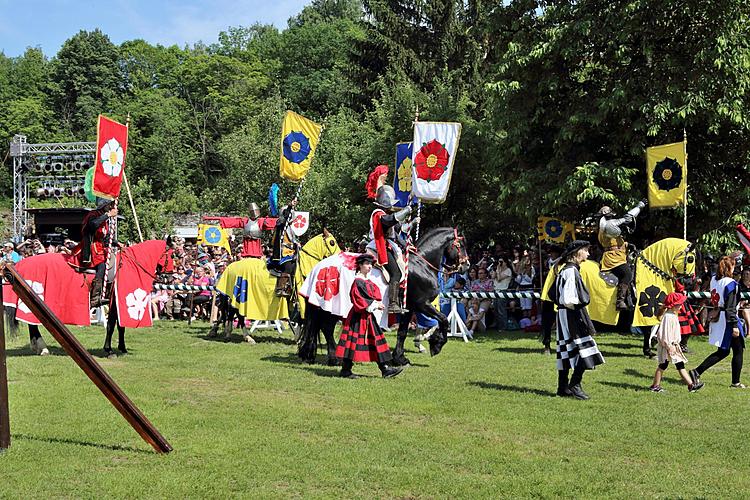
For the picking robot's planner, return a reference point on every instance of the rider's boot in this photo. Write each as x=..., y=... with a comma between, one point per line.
x=394, y=298
x=284, y=285
x=622, y=297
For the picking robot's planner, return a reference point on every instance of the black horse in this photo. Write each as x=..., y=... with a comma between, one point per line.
x=441, y=249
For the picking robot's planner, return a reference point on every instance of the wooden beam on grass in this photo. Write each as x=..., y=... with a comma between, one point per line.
x=85, y=361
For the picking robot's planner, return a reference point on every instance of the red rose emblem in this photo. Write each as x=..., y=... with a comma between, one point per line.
x=431, y=161
x=327, y=283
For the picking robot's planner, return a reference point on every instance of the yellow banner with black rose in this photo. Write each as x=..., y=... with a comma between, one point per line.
x=666, y=170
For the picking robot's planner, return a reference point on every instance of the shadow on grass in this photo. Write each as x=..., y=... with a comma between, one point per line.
x=617, y=345
x=635, y=373
x=522, y=350
x=512, y=388
x=625, y=385
x=25, y=351
x=617, y=354
x=26, y=437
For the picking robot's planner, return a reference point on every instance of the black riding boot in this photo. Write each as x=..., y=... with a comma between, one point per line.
x=389, y=371
x=394, y=298
x=575, y=383
x=95, y=293
x=622, y=297
x=562, y=384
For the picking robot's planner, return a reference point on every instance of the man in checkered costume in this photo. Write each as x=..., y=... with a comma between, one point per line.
x=576, y=349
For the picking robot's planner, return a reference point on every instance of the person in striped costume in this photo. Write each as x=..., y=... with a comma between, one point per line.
x=576, y=349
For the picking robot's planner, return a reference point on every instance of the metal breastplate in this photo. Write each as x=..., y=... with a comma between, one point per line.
x=252, y=229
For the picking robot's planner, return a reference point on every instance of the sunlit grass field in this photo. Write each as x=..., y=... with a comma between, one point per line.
x=478, y=421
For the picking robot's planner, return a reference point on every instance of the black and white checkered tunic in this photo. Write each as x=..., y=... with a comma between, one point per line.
x=574, y=328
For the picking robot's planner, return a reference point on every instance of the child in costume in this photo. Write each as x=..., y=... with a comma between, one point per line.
x=668, y=335
x=362, y=340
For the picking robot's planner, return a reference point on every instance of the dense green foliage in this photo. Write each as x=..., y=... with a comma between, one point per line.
x=477, y=421
x=558, y=100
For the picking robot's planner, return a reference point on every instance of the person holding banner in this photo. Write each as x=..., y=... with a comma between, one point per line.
x=94, y=243
x=615, y=257
x=284, y=255
x=385, y=226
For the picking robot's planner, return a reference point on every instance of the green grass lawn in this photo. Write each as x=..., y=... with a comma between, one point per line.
x=477, y=421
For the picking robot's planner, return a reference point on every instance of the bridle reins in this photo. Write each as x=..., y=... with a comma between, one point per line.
x=456, y=243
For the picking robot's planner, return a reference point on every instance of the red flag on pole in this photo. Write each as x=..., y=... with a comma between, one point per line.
x=111, y=145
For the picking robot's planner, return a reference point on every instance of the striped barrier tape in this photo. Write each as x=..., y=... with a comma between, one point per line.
x=185, y=288
x=515, y=294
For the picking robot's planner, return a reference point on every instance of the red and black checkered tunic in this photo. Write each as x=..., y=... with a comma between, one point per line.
x=362, y=339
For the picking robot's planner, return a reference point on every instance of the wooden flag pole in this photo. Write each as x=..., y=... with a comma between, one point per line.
x=130, y=195
x=685, y=207
x=4, y=412
x=85, y=361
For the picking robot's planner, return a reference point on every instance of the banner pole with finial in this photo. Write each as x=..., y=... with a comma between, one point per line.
x=419, y=201
x=684, y=206
x=130, y=195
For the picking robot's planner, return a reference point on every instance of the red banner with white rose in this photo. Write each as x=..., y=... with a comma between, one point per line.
x=111, y=146
x=433, y=156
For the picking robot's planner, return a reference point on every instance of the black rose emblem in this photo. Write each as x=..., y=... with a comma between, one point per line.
x=651, y=300
x=667, y=174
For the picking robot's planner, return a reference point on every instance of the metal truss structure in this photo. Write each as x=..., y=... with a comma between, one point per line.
x=60, y=157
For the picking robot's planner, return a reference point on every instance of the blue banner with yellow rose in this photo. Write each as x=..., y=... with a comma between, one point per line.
x=402, y=175
x=299, y=138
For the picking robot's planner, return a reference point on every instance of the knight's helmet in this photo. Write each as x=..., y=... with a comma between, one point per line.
x=385, y=197
x=606, y=212
x=254, y=210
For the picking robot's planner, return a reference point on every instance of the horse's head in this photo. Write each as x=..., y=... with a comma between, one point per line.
x=455, y=254
x=683, y=262
x=165, y=264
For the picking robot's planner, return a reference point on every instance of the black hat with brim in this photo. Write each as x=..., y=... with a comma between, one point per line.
x=365, y=257
x=573, y=247
x=102, y=203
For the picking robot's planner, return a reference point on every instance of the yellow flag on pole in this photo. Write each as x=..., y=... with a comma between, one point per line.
x=666, y=170
x=554, y=229
x=299, y=139
x=214, y=236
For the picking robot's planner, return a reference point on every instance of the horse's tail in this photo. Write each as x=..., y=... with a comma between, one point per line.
x=307, y=346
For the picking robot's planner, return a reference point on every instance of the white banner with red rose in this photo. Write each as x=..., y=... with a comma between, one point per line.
x=329, y=283
x=433, y=157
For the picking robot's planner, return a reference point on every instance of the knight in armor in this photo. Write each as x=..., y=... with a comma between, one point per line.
x=252, y=230
x=284, y=251
x=615, y=258
x=385, y=227
x=94, y=245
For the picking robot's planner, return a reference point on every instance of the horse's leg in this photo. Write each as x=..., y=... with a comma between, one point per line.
x=121, y=339
x=111, y=323
x=229, y=321
x=328, y=325
x=220, y=315
x=245, y=333
x=36, y=342
x=399, y=359
x=440, y=337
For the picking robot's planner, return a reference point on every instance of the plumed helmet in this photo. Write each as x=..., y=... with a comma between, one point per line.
x=385, y=197
x=605, y=210
x=254, y=210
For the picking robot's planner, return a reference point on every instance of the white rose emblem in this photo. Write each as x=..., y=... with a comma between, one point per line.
x=38, y=289
x=112, y=156
x=137, y=302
